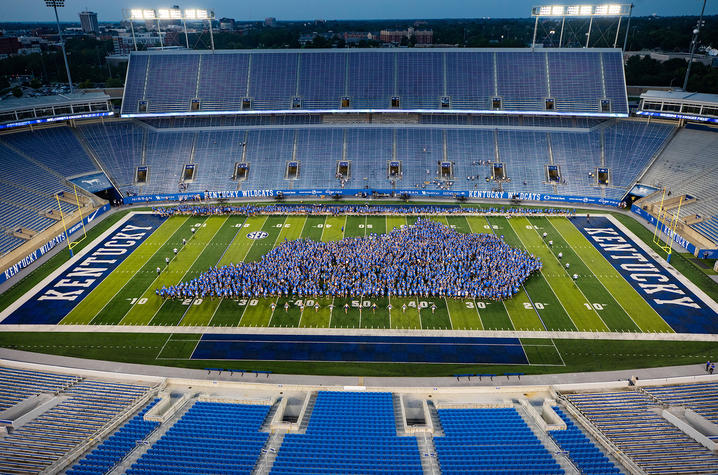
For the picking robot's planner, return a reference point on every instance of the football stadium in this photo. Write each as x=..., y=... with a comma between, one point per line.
x=360, y=260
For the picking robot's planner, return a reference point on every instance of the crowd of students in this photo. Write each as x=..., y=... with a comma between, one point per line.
x=428, y=259
x=314, y=209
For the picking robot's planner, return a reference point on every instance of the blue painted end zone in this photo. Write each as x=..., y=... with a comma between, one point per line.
x=53, y=302
x=673, y=301
x=370, y=349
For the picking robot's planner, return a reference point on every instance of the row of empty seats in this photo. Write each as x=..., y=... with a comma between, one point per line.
x=19, y=384
x=583, y=453
x=210, y=437
x=116, y=447
x=701, y=397
x=631, y=420
x=492, y=440
x=349, y=433
x=34, y=166
x=84, y=407
x=574, y=81
x=627, y=147
x=688, y=166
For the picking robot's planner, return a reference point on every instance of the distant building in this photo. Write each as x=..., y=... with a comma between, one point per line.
x=123, y=44
x=226, y=24
x=357, y=36
x=9, y=45
x=423, y=37
x=88, y=20
x=270, y=21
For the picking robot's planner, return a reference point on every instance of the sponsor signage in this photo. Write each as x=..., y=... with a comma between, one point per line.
x=675, y=115
x=58, y=118
x=490, y=195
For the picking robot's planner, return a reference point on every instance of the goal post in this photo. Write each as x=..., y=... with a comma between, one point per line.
x=666, y=224
x=70, y=243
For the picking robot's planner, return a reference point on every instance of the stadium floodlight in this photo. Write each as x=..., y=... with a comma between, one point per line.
x=54, y=4
x=170, y=14
x=607, y=9
x=577, y=11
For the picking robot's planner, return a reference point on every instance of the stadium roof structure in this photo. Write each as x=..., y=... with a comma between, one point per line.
x=21, y=111
x=693, y=106
x=547, y=81
x=18, y=103
x=681, y=96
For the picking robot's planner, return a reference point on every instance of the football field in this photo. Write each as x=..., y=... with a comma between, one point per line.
x=599, y=300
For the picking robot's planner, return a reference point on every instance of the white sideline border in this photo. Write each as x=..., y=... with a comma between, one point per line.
x=669, y=268
x=72, y=261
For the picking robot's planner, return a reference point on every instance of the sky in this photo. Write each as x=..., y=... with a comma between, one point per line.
x=111, y=10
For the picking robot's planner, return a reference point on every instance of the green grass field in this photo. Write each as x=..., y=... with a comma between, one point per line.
x=600, y=300
x=546, y=356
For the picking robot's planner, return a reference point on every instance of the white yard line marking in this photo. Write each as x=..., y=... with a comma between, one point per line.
x=599, y=280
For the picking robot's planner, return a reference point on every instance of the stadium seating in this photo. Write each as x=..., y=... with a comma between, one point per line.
x=349, y=433
x=687, y=166
x=701, y=397
x=26, y=191
x=122, y=146
x=210, y=437
x=492, y=440
x=276, y=80
x=582, y=452
x=56, y=148
x=86, y=407
x=18, y=384
x=649, y=440
x=113, y=449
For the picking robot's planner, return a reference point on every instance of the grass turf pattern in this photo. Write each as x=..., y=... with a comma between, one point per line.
x=598, y=301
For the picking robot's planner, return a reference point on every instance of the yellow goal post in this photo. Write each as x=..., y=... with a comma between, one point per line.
x=70, y=243
x=666, y=224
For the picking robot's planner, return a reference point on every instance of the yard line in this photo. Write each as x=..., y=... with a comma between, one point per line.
x=189, y=307
x=199, y=254
x=244, y=310
x=550, y=287
x=566, y=274
x=107, y=301
x=174, y=256
x=589, y=269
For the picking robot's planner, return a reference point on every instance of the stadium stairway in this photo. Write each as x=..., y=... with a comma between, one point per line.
x=567, y=464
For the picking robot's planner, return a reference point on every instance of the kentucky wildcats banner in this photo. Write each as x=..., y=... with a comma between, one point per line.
x=485, y=195
x=42, y=250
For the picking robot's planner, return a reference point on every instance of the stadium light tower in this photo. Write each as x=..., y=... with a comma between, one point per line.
x=608, y=10
x=694, y=44
x=54, y=4
x=170, y=14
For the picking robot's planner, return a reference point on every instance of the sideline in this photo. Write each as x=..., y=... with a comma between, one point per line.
x=398, y=332
x=689, y=372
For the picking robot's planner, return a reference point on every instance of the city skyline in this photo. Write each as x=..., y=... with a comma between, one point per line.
x=286, y=10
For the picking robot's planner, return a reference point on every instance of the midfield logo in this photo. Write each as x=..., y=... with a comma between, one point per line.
x=257, y=235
